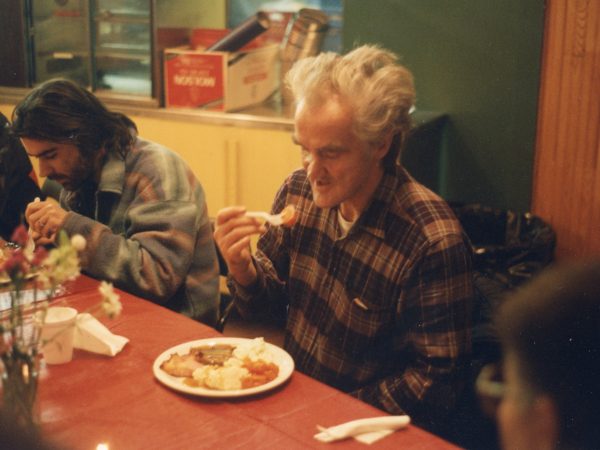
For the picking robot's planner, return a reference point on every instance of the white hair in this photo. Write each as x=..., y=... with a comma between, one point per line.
x=380, y=91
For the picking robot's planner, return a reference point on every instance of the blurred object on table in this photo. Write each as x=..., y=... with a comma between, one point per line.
x=14, y=437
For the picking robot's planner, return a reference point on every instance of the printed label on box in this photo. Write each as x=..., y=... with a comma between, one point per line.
x=194, y=79
x=220, y=80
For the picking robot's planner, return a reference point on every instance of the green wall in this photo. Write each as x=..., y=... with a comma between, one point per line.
x=479, y=62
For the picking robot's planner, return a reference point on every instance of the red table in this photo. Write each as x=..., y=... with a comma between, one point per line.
x=117, y=401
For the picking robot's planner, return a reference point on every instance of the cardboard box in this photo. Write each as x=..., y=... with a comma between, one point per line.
x=220, y=80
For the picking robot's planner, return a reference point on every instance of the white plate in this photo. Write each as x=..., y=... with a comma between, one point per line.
x=280, y=357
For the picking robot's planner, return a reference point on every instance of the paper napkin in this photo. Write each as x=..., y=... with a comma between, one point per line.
x=366, y=431
x=94, y=337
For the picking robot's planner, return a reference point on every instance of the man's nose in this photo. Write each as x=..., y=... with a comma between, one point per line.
x=44, y=168
x=310, y=164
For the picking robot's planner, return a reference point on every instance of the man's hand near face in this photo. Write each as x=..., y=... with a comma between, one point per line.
x=45, y=218
x=233, y=230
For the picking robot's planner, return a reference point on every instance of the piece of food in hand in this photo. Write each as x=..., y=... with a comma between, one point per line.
x=288, y=216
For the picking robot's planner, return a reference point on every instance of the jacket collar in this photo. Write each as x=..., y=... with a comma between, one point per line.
x=112, y=175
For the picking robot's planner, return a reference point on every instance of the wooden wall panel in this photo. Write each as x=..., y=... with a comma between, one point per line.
x=566, y=182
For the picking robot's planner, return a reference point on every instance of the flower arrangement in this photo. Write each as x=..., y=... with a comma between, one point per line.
x=34, y=277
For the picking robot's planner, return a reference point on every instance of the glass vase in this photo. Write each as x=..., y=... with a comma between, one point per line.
x=19, y=387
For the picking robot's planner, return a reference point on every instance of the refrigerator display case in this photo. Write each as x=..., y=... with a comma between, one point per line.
x=105, y=45
x=122, y=46
x=60, y=41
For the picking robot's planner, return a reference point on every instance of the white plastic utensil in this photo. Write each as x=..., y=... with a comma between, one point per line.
x=273, y=219
x=30, y=245
x=286, y=217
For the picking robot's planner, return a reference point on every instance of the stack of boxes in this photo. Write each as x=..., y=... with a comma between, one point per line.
x=222, y=81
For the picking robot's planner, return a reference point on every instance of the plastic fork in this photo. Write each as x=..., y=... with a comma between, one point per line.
x=286, y=217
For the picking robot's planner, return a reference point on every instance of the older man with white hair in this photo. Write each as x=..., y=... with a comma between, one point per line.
x=374, y=277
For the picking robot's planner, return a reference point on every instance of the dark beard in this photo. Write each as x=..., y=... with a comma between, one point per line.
x=82, y=174
x=85, y=199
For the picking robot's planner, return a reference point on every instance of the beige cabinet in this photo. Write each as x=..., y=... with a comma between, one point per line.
x=259, y=161
x=236, y=165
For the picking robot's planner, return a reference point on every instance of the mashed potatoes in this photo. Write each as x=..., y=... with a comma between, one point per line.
x=226, y=377
x=254, y=350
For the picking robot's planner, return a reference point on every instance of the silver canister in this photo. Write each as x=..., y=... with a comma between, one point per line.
x=304, y=37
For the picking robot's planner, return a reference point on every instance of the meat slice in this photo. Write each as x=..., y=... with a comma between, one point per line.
x=215, y=355
x=184, y=365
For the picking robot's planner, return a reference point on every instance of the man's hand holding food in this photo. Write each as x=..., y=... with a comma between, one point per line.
x=233, y=230
x=45, y=218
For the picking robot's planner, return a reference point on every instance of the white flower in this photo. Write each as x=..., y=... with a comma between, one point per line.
x=78, y=242
x=110, y=300
x=32, y=271
x=61, y=264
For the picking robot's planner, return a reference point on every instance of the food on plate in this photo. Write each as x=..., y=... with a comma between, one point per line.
x=184, y=365
x=214, y=354
x=224, y=367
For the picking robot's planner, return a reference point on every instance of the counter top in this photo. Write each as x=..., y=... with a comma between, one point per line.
x=271, y=114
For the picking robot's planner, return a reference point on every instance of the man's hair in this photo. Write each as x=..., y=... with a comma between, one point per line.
x=4, y=131
x=552, y=326
x=61, y=111
x=380, y=91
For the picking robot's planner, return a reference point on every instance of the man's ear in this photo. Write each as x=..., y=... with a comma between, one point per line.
x=546, y=421
x=384, y=145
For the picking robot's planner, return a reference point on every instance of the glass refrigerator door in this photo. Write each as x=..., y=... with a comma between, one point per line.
x=61, y=40
x=122, y=46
